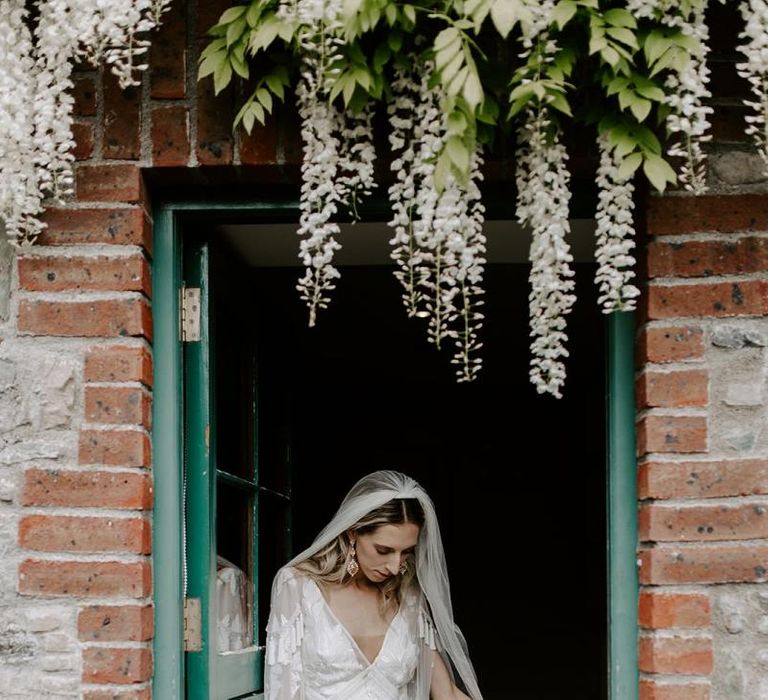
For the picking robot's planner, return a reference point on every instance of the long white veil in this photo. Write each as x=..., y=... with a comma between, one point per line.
x=371, y=492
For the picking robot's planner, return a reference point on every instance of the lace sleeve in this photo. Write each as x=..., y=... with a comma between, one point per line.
x=283, y=670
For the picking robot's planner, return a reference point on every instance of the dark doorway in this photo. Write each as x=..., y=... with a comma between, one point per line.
x=518, y=479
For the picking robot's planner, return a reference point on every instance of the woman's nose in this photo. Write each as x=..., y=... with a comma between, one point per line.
x=393, y=564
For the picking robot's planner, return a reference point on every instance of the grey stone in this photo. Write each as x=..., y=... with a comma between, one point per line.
x=59, y=662
x=58, y=642
x=744, y=395
x=739, y=439
x=762, y=625
x=7, y=375
x=734, y=623
x=8, y=488
x=29, y=450
x=762, y=657
x=738, y=168
x=16, y=644
x=733, y=337
x=733, y=680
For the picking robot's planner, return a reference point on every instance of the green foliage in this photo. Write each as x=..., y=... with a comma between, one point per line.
x=594, y=63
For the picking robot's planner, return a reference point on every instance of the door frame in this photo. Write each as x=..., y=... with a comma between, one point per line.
x=168, y=567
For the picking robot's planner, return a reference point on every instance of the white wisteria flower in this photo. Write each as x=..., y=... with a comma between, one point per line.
x=615, y=234
x=755, y=69
x=542, y=204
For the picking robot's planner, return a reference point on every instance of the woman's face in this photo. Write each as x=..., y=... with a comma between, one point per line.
x=381, y=553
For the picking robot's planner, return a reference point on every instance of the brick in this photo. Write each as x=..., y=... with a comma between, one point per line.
x=128, y=694
x=58, y=533
x=85, y=578
x=716, y=299
x=674, y=610
x=666, y=523
x=208, y=14
x=115, y=182
x=686, y=656
x=651, y=690
x=52, y=487
x=115, y=623
x=127, y=405
x=703, y=564
x=671, y=434
x=667, y=258
x=709, y=213
x=125, y=226
x=82, y=132
x=105, y=318
x=55, y=274
x=125, y=448
x=215, y=114
x=705, y=479
x=121, y=120
x=110, y=665
x=118, y=363
x=84, y=92
x=260, y=146
x=170, y=136
x=669, y=344
x=168, y=55
x=672, y=389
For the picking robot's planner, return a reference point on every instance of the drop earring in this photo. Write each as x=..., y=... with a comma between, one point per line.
x=352, y=566
x=403, y=568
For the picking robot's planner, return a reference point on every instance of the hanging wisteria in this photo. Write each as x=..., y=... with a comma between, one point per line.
x=37, y=56
x=450, y=74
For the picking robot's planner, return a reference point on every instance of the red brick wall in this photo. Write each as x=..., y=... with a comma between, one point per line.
x=89, y=279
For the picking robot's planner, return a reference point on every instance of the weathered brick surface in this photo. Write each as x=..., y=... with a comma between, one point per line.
x=658, y=610
x=671, y=434
x=668, y=523
x=703, y=479
x=104, y=318
x=116, y=623
x=121, y=126
x=653, y=690
x=169, y=56
x=52, y=274
x=81, y=489
x=83, y=133
x=119, y=363
x=125, y=448
x=118, y=405
x=704, y=564
x=670, y=258
x=687, y=656
x=655, y=389
x=669, y=344
x=170, y=136
x=110, y=665
x=58, y=533
x=124, y=226
x=116, y=182
x=718, y=299
x=713, y=213
x=77, y=578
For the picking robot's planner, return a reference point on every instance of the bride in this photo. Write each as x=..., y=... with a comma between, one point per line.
x=365, y=612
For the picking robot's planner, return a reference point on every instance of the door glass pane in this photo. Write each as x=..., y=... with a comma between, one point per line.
x=234, y=582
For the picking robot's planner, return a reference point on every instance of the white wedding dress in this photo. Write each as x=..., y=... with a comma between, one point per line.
x=310, y=655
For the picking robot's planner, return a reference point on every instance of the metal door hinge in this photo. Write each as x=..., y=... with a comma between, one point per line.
x=192, y=625
x=190, y=314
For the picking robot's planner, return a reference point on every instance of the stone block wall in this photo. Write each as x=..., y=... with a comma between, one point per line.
x=76, y=374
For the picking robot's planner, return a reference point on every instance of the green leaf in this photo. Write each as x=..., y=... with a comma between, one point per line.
x=215, y=45
x=448, y=73
x=560, y=103
x=446, y=37
x=253, y=13
x=619, y=17
x=629, y=165
x=221, y=77
x=276, y=84
x=658, y=172
x=232, y=14
x=240, y=67
x=455, y=86
x=362, y=77
x=564, y=12
x=456, y=123
x=395, y=41
x=625, y=36
x=504, y=14
x=380, y=57
x=656, y=43
x=649, y=89
x=458, y=153
x=390, y=12
x=610, y=55
x=473, y=90
x=640, y=107
x=349, y=90
x=339, y=85
x=264, y=98
x=211, y=64
x=265, y=34
x=410, y=13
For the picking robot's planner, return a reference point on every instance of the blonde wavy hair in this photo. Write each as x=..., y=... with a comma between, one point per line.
x=329, y=564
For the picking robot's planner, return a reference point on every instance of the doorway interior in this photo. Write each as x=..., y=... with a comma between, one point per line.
x=518, y=479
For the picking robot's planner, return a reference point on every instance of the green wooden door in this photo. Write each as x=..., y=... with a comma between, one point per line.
x=230, y=498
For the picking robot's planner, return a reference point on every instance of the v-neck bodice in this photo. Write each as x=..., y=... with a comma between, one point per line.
x=311, y=655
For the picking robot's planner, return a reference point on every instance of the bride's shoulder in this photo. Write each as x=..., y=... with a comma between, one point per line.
x=290, y=575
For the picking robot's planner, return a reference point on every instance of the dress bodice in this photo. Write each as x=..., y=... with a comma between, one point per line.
x=312, y=656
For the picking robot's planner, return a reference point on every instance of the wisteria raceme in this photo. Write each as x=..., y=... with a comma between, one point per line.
x=357, y=156
x=543, y=198
x=615, y=235
x=20, y=197
x=406, y=254
x=755, y=69
x=688, y=122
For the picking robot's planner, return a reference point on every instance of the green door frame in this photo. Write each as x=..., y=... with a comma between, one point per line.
x=167, y=435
